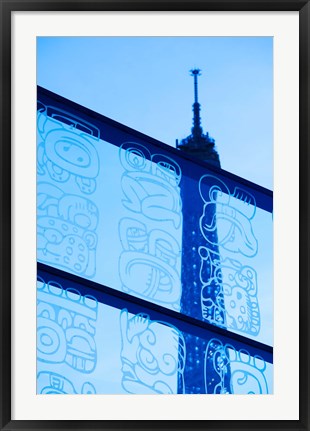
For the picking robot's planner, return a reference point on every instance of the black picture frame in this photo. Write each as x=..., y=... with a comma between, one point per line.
x=7, y=7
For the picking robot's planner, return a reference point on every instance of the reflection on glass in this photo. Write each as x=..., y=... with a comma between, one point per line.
x=130, y=218
x=150, y=184
x=66, y=148
x=229, y=214
x=66, y=327
x=66, y=330
x=230, y=257
x=107, y=213
x=153, y=356
x=229, y=371
x=86, y=347
x=149, y=266
x=67, y=168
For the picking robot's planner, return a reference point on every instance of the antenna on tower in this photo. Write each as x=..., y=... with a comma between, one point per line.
x=196, y=129
x=195, y=73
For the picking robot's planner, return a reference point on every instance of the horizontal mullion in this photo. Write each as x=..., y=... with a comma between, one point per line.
x=134, y=305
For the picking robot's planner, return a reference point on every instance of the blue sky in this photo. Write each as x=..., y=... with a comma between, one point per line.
x=144, y=82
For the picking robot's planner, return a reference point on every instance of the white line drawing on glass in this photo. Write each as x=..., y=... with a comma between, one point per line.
x=150, y=184
x=153, y=356
x=148, y=264
x=66, y=148
x=212, y=295
x=229, y=214
x=66, y=227
x=241, y=303
x=66, y=327
x=49, y=382
x=226, y=225
x=236, y=370
x=236, y=300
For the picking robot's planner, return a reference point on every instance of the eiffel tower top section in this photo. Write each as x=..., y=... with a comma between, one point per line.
x=197, y=143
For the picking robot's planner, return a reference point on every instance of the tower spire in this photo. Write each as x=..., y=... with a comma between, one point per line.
x=198, y=144
x=196, y=129
x=195, y=73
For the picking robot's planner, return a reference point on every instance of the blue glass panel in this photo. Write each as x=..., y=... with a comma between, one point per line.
x=232, y=371
x=67, y=215
x=66, y=340
x=121, y=209
x=125, y=228
x=153, y=356
x=236, y=260
x=86, y=347
x=151, y=230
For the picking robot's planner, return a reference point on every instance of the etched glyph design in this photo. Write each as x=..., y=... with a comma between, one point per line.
x=229, y=215
x=50, y=383
x=150, y=184
x=66, y=148
x=234, y=293
x=153, y=356
x=231, y=371
x=66, y=327
x=149, y=265
x=228, y=286
x=67, y=159
x=66, y=230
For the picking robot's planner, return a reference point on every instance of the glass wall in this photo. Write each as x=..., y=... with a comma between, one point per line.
x=120, y=212
x=85, y=346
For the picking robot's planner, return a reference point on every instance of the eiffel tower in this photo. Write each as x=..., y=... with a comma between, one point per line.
x=201, y=146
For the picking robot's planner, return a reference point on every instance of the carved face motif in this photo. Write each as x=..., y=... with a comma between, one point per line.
x=150, y=355
x=66, y=150
x=229, y=215
x=234, y=230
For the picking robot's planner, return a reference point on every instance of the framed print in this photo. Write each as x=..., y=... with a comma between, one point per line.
x=155, y=176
